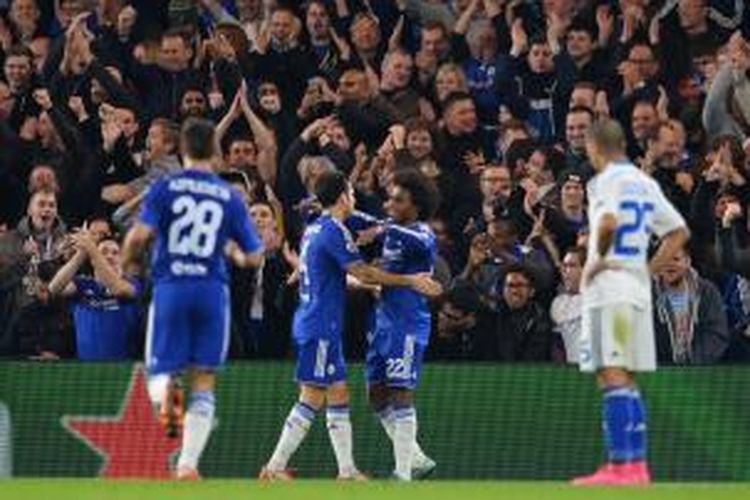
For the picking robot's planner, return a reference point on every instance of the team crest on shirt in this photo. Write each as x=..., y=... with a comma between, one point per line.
x=393, y=251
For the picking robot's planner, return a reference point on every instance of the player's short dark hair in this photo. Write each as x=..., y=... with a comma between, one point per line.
x=198, y=139
x=423, y=192
x=608, y=136
x=329, y=188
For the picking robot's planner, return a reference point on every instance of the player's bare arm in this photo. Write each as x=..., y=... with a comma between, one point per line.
x=136, y=243
x=353, y=283
x=607, y=229
x=421, y=282
x=243, y=259
x=670, y=244
x=606, y=235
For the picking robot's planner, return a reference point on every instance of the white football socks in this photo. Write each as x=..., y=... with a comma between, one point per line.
x=340, y=432
x=386, y=420
x=198, y=423
x=157, y=389
x=404, y=440
x=296, y=427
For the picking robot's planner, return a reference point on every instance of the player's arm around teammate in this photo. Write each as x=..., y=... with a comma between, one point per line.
x=403, y=323
x=328, y=254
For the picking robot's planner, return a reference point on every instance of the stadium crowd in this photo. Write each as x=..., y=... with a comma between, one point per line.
x=492, y=99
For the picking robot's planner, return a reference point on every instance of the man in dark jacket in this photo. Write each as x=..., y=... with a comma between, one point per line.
x=531, y=85
x=19, y=75
x=161, y=86
x=460, y=157
x=669, y=164
x=523, y=331
x=689, y=316
x=282, y=56
x=33, y=325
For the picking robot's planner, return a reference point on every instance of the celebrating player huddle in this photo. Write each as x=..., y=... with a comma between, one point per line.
x=197, y=222
x=328, y=253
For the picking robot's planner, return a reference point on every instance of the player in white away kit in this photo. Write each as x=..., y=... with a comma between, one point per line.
x=626, y=210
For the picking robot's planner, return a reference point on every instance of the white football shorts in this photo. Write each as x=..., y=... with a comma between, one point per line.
x=618, y=336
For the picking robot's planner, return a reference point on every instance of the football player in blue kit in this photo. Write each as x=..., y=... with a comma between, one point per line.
x=403, y=321
x=328, y=253
x=196, y=222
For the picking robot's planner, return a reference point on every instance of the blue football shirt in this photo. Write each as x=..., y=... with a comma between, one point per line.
x=106, y=327
x=326, y=251
x=406, y=250
x=194, y=214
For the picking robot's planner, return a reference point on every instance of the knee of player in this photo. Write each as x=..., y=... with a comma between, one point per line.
x=312, y=396
x=202, y=380
x=337, y=394
x=377, y=397
x=614, y=377
x=401, y=397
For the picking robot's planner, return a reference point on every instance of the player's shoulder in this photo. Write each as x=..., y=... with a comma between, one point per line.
x=641, y=184
x=202, y=183
x=331, y=225
x=419, y=230
x=625, y=178
x=171, y=176
x=324, y=227
x=160, y=183
x=335, y=233
x=361, y=220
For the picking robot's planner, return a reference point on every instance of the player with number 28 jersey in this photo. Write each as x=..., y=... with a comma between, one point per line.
x=196, y=222
x=193, y=213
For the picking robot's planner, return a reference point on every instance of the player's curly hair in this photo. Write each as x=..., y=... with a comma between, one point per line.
x=423, y=192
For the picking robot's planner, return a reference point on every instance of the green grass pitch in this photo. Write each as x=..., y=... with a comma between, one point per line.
x=70, y=489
